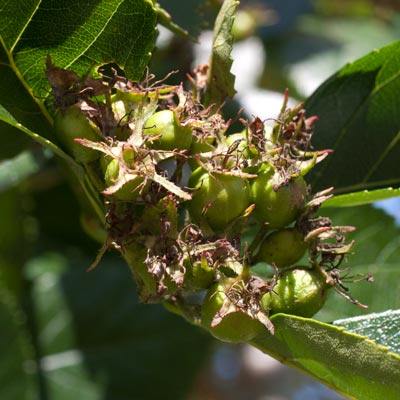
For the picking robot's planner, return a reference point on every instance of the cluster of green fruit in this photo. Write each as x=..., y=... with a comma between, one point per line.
x=193, y=208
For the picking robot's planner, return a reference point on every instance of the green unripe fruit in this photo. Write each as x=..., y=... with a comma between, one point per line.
x=236, y=137
x=112, y=172
x=237, y=149
x=277, y=208
x=152, y=217
x=168, y=132
x=199, y=147
x=204, y=146
x=299, y=292
x=72, y=124
x=199, y=275
x=242, y=145
x=135, y=256
x=234, y=327
x=283, y=248
x=218, y=198
x=148, y=284
x=130, y=190
x=129, y=156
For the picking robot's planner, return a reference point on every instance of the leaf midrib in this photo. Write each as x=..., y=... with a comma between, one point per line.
x=81, y=54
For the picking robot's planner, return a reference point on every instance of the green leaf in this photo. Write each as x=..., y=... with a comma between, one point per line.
x=17, y=104
x=80, y=36
x=97, y=338
x=323, y=45
x=348, y=363
x=358, y=112
x=360, y=198
x=5, y=116
x=220, y=80
x=382, y=328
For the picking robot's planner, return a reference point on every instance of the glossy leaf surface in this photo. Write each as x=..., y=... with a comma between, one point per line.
x=358, y=110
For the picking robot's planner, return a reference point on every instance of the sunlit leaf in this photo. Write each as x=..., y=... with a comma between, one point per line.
x=382, y=328
x=358, y=112
x=220, y=80
x=77, y=35
x=360, y=198
x=346, y=362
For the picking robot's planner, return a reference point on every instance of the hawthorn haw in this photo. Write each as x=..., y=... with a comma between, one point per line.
x=283, y=248
x=164, y=131
x=185, y=233
x=277, y=205
x=129, y=190
x=218, y=198
x=71, y=123
x=223, y=318
x=299, y=292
